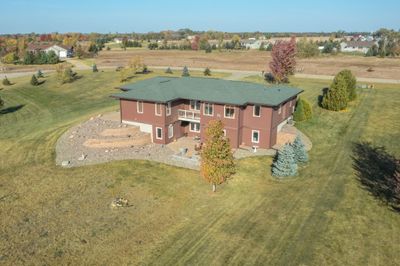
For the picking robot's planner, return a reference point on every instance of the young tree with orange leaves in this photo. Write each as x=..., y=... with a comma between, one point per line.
x=217, y=163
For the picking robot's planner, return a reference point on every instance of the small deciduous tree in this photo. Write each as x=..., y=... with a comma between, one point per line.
x=335, y=98
x=285, y=163
x=300, y=153
x=185, y=72
x=217, y=163
x=283, y=60
x=207, y=72
x=65, y=74
x=306, y=49
x=34, y=81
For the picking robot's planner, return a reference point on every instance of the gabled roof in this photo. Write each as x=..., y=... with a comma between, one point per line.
x=165, y=89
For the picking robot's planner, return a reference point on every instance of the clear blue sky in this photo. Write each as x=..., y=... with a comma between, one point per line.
x=23, y=16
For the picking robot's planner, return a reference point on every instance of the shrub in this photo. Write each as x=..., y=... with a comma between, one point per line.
x=94, y=68
x=300, y=153
x=6, y=82
x=303, y=110
x=351, y=83
x=285, y=163
x=269, y=77
x=306, y=49
x=335, y=98
x=168, y=71
x=10, y=58
x=65, y=74
x=207, y=72
x=34, y=81
x=185, y=72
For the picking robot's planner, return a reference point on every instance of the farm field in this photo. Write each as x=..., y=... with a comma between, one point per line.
x=52, y=215
x=254, y=60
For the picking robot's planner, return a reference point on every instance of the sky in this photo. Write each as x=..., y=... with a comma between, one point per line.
x=41, y=16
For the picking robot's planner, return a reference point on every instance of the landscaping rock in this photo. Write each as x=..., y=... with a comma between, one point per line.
x=65, y=163
x=82, y=157
x=119, y=202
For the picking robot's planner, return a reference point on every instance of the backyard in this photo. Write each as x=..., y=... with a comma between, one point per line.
x=54, y=215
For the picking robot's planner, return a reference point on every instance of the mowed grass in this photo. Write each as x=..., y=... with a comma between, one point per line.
x=51, y=215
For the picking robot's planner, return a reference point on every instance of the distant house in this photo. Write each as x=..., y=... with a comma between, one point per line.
x=61, y=51
x=169, y=108
x=118, y=40
x=252, y=43
x=356, y=46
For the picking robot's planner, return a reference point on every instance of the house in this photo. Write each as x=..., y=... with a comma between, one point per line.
x=356, y=46
x=61, y=51
x=169, y=108
x=252, y=43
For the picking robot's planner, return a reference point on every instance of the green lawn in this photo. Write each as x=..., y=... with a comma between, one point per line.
x=51, y=215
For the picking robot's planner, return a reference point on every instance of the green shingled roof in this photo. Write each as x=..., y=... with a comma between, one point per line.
x=164, y=89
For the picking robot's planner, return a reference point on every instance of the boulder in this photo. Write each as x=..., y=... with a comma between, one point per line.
x=65, y=163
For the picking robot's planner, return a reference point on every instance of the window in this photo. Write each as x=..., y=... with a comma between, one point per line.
x=170, y=131
x=158, y=107
x=255, y=136
x=208, y=109
x=168, y=111
x=229, y=111
x=224, y=130
x=139, y=107
x=158, y=133
x=280, y=109
x=194, y=105
x=256, y=110
x=195, y=127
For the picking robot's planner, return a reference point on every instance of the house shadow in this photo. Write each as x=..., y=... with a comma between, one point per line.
x=320, y=97
x=378, y=172
x=11, y=109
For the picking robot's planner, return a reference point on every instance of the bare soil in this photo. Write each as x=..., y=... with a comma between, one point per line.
x=254, y=60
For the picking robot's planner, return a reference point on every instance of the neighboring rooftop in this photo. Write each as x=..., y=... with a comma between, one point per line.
x=165, y=89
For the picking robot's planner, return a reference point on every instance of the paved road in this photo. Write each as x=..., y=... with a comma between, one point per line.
x=235, y=74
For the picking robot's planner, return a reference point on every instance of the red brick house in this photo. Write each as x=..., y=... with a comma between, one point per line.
x=169, y=108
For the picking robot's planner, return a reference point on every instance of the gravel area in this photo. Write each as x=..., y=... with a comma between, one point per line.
x=70, y=151
x=72, y=148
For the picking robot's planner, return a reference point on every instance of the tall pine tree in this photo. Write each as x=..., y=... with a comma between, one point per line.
x=185, y=72
x=300, y=153
x=285, y=163
x=217, y=162
x=34, y=81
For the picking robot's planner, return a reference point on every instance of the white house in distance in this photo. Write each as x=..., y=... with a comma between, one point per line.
x=61, y=51
x=356, y=46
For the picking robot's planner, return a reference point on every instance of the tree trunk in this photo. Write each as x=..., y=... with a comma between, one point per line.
x=214, y=187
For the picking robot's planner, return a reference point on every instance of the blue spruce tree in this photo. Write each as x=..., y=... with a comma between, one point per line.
x=300, y=153
x=285, y=163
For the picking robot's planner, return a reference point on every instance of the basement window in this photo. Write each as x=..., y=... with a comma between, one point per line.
x=159, y=133
x=255, y=136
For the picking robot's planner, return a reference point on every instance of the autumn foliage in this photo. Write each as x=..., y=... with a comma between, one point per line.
x=217, y=163
x=283, y=61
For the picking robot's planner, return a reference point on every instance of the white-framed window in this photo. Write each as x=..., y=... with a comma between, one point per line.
x=194, y=105
x=280, y=109
x=256, y=111
x=208, y=109
x=293, y=108
x=158, y=109
x=159, y=133
x=170, y=131
x=229, y=111
x=255, y=136
x=194, y=127
x=139, y=107
x=224, y=130
x=168, y=110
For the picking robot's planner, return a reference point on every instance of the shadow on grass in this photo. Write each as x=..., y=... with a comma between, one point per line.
x=11, y=109
x=378, y=172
